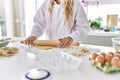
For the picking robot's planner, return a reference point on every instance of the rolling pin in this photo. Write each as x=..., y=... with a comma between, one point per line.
x=50, y=43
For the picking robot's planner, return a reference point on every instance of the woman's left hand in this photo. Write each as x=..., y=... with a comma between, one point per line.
x=65, y=42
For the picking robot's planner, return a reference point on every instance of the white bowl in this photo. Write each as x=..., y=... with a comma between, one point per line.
x=3, y=43
x=37, y=74
x=116, y=43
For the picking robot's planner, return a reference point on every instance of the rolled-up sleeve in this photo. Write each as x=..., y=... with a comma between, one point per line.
x=39, y=26
x=81, y=25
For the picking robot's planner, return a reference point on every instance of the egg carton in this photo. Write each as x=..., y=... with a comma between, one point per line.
x=55, y=59
x=107, y=68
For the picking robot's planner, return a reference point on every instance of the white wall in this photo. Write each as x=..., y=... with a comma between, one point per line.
x=12, y=15
x=29, y=12
x=17, y=27
x=2, y=13
x=109, y=1
x=9, y=15
x=106, y=1
x=1, y=7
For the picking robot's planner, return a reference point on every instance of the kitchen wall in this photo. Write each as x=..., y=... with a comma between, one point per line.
x=109, y=1
x=9, y=11
x=17, y=17
x=12, y=15
x=106, y=1
x=1, y=7
x=2, y=14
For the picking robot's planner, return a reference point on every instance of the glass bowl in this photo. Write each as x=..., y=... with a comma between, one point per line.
x=116, y=43
x=3, y=43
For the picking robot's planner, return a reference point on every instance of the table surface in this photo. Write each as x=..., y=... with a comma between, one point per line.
x=12, y=68
x=103, y=33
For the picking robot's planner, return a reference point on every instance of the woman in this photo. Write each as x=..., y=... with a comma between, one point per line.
x=63, y=20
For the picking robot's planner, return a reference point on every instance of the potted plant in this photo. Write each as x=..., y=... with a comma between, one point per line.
x=95, y=24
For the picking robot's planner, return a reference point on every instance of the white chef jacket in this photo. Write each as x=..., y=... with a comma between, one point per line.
x=56, y=28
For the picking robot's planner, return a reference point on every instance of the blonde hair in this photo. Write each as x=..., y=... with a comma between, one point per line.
x=68, y=10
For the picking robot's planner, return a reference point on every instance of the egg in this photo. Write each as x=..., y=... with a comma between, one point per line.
x=111, y=53
x=100, y=59
x=102, y=54
x=93, y=56
x=108, y=57
x=115, y=61
x=117, y=54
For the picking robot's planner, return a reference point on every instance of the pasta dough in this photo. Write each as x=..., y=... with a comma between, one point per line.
x=45, y=47
x=8, y=51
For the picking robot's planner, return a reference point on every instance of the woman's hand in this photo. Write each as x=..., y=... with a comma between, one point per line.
x=65, y=42
x=29, y=40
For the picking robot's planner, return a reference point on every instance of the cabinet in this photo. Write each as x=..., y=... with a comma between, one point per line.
x=95, y=40
x=101, y=38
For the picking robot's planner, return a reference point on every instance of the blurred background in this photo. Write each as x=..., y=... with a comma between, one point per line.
x=16, y=16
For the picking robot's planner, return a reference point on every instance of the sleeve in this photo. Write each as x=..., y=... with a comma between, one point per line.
x=39, y=26
x=81, y=25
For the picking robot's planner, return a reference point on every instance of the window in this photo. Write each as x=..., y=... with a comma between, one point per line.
x=30, y=8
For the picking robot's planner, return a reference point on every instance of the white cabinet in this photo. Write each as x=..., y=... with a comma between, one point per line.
x=101, y=38
x=108, y=41
x=95, y=40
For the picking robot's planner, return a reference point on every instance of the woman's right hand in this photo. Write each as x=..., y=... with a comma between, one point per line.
x=29, y=40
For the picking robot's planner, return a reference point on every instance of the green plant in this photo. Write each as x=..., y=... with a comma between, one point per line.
x=95, y=24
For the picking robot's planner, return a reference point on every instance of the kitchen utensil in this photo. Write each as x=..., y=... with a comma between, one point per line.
x=116, y=43
x=4, y=43
x=49, y=43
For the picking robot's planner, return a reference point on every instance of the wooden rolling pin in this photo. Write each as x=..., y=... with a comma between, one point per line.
x=50, y=43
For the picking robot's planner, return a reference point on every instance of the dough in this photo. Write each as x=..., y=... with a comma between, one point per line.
x=45, y=47
x=8, y=51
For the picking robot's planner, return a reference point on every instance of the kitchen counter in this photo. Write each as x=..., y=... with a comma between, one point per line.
x=12, y=68
x=99, y=37
x=103, y=33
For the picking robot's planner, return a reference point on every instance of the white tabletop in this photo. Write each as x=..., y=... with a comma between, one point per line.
x=12, y=68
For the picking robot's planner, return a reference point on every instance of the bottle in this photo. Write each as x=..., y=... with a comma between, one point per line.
x=113, y=29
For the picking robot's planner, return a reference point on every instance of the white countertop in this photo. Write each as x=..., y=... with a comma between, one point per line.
x=103, y=33
x=12, y=68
